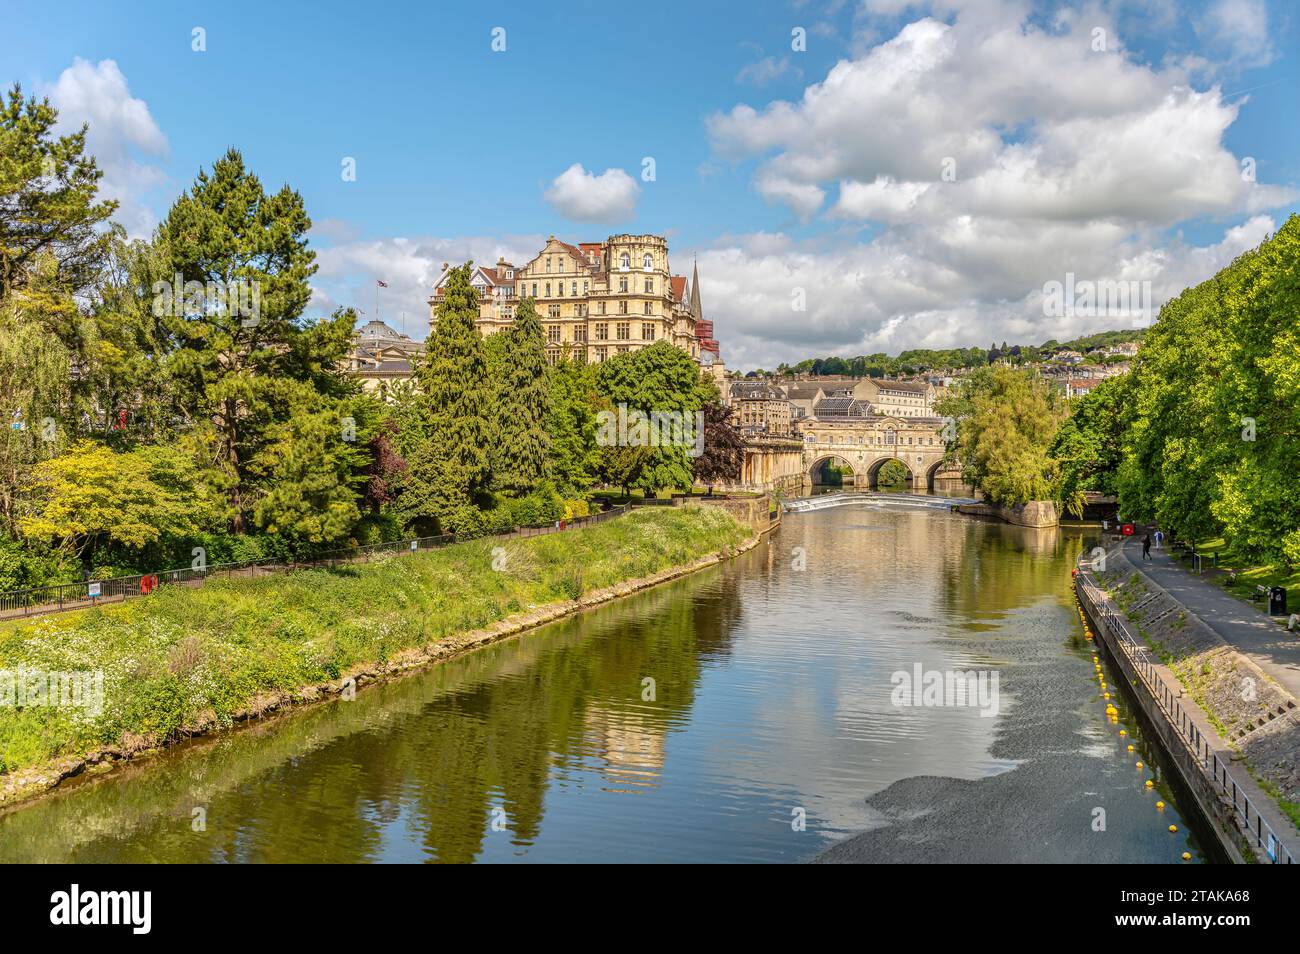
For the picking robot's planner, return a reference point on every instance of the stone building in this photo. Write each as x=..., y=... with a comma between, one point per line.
x=596, y=299
x=381, y=357
x=759, y=408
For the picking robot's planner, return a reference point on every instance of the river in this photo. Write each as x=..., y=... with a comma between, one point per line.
x=745, y=713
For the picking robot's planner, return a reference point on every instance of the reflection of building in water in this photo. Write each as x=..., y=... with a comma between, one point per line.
x=631, y=744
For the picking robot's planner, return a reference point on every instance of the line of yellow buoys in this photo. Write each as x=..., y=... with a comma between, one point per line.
x=1112, y=713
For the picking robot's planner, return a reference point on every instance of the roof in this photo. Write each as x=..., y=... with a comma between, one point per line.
x=892, y=385
x=379, y=330
x=755, y=391
x=679, y=287
x=797, y=393
x=840, y=407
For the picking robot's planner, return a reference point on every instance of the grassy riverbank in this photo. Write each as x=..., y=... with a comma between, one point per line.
x=186, y=657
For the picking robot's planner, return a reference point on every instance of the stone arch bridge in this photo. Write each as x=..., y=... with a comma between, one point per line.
x=790, y=464
x=865, y=445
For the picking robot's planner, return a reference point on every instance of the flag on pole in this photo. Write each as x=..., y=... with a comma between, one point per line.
x=381, y=283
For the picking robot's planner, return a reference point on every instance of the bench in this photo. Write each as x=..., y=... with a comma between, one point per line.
x=1261, y=593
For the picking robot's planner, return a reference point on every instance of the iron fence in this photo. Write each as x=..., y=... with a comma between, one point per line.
x=59, y=597
x=1205, y=756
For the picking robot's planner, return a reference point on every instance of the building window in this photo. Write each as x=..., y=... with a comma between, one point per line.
x=602, y=308
x=553, y=311
x=580, y=333
x=622, y=308
x=584, y=288
x=602, y=331
x=553, y=334
x=647, y=331
x=574, y=290
x=648, y=311
x=625, y=261
x=623, y=331
x=534, y=289
x=601, y=352
x=552, y=355
x=548, y=289
x=622, y=349
x=548, y=263
x=647, y=263
x=649, y=286
x=622, y=285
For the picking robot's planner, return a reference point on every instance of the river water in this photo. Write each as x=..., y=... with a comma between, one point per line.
x=745, y=713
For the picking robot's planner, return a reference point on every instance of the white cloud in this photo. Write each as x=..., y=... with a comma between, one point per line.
x=1240, y=29
x=121, y=130
x=896, y=292
x=583, y=196
x=969, y=162
x=767, y=70
x=349, y=267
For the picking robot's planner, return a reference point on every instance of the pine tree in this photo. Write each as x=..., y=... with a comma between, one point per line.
x=258, y=385
x=447, y=437
x=521, y=452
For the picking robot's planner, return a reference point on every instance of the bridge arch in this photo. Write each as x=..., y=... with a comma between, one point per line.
x=873, y=471
x=842, y=460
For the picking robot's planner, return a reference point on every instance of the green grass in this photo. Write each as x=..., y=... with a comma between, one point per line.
x=185, y=656
x=1248, y=575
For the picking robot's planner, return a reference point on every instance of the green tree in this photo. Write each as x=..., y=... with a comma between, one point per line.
x=93, y=497
x=449, y=430
x=48, y=198
x=1006, y=420
x=523, y=405
x=249, y=373
x=660, y=379
x=1089, y=446
x=571, y=426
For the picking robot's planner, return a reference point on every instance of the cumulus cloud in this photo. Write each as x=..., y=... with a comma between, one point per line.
x=583, y=196
x=969, y=160
x=122, y=135
x=890, y=294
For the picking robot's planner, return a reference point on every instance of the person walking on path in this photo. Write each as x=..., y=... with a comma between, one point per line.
x=1160, y=538
x=1146, y=547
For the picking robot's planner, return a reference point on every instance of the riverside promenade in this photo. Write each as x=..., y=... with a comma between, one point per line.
x=1261, y=638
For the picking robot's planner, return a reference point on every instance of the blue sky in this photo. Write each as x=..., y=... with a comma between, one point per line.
x=780, y=168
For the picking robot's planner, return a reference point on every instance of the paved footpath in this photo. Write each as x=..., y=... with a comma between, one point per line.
x=1253, y=632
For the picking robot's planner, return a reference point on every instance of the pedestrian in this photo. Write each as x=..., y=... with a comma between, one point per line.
x=1160, y=538
x=1146, y=547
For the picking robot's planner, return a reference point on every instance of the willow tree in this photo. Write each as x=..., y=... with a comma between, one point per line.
x=1006, y=422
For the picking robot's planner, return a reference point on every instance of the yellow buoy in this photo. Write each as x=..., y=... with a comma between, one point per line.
x=1160, y=806
x=1173, y=828
x=1123, y=732
x=1139, y=765
x=1150, y=784
x=1105, y=695
x=1187, y=856
x=1130, y=748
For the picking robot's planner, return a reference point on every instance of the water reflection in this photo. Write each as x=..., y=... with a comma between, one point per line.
x=771, y=697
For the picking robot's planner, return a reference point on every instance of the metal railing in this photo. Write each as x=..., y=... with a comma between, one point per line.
x=60, y=597
x=1198, y=745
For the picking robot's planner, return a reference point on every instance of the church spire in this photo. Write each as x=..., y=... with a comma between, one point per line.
x=696, y=311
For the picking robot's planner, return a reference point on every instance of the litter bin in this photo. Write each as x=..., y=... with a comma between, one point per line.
x=1277, y=601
